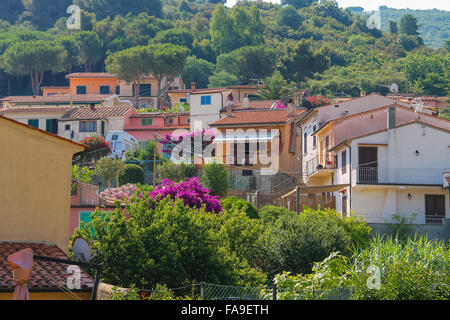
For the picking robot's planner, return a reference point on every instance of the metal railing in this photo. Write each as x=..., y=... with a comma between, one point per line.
x=434, y=219
x=367, y=175
x=321, y=161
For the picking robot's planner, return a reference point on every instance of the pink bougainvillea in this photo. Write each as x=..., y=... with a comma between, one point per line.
x=191, y=191
x=121, y=193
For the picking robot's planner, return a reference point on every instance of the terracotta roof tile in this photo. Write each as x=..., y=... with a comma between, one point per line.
x=45, y=275
x=61, y=98
x=255, y=104
x=90, y=75
x=256, y=116
x=35, y=109
x=83, y=113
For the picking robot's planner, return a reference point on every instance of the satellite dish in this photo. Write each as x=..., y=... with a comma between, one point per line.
x=394, y=88
x=81, y=250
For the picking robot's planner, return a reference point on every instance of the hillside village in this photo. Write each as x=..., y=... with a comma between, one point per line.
x=277, y=176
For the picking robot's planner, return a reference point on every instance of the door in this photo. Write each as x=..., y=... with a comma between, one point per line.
x=368, y=164
x=434, y=208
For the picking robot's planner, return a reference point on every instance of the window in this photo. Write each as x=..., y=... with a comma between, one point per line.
x=104, y=89
x=188, y=120
x=169, y=121
x=344, y=205
x=81, y=89
x=327, y=143
x=305, y=144
x=51, y=125
x=67, y=127
x=114, y=137
x=145, y=90
x=183, y=100
x=344, y=161
x=434, y=208
x=117, y=90
x=205, y=100
x=147, y=122
x=88, y=126
x=314, y=137
x=118, y=145
x=33, y=123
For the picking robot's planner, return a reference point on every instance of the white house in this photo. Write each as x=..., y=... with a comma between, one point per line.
x=206, y=106
x=399, y=170
x=314, y=119
x=82, y=122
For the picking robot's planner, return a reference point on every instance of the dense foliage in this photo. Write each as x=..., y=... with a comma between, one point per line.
x=131, y=173
x=323, y=49
x=176, y=171
x=164, y=241
x=415, y=270
x=216, y=177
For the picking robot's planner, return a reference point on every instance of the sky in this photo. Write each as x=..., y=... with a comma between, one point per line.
x=374, y=4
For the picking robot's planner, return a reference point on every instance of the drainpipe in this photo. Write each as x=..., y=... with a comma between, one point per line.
x=350, y=173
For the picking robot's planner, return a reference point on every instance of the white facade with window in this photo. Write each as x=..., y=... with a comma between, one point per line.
x=205, y=107
x=397, y=171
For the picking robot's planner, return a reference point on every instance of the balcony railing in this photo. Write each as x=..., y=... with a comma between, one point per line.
x=434, y=219
x=398, y=175
x=321, y=161
x=368, y=175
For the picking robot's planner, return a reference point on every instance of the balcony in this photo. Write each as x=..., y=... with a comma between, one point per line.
x=399, y=175
x=320, y=166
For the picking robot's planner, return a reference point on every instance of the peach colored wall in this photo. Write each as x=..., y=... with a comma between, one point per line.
x=93, y=84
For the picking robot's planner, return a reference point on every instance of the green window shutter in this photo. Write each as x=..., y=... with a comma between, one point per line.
x=85, y=216
x=146, y=122
x=48, y=125
x=33, y=123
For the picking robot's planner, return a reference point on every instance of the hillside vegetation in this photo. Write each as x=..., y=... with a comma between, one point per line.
x=316, y=47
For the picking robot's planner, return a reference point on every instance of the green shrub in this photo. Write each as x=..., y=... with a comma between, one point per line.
x=216, y=178
x=294, y=242
x=415, y=270
x=132, y=173
x=176, y=171
x=240, y=205
x=163, y=241
x=270, y=213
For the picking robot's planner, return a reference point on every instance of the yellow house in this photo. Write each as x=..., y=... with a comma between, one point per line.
x=35, y=173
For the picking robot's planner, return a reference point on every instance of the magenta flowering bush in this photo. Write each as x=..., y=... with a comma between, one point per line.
x=121, y=193
x=191, y=191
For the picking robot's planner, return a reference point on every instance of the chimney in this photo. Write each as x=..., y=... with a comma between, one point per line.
x=391, y=117
x=291, y=109
x=193, y=84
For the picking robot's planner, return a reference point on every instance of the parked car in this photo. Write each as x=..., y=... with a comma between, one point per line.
x=121, y=142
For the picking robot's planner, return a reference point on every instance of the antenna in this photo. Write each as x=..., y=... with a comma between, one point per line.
x=81, y=250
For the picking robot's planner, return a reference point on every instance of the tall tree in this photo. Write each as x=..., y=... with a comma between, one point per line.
x=110, y=8
x=166, y=62
x=43, y=14
x=408, y=25
x=235, y=29
x=198, y=71
x=254, y=62
x=298, y=3
x=182, y=37
x=11, y=9
x=90, y=48
x=70, y=45
x=34, y=58
x=301, y=61
x=393, y=27
x=130, y=65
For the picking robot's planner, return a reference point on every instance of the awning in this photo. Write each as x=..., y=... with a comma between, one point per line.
x=255, y=137
x=325, y=188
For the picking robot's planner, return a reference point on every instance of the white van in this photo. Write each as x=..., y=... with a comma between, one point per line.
x=121, y=142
